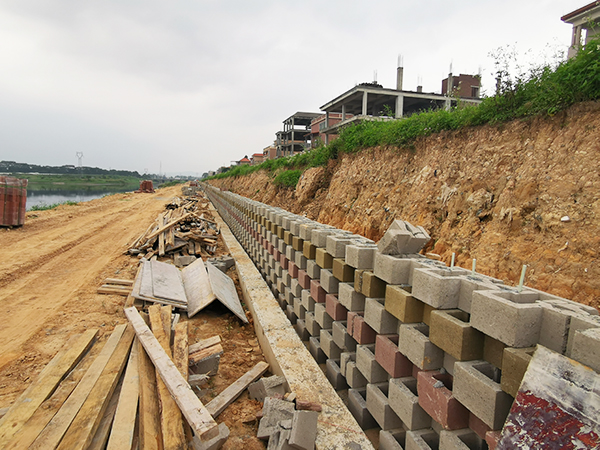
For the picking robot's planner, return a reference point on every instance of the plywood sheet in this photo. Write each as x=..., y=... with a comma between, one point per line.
x=224, y=289
x=197, y=287
x=167, y=282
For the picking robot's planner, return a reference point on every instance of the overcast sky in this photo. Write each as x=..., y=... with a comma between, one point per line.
x=192, y=85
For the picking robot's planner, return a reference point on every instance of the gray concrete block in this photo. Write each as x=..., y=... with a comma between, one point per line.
x=425, y=439
x=368, y=366
x=404, y=401
x=464, y=439
x=439, y=288
x=300, y=260
x=328, y=346
x=402, y=237
x=354, y=377
x=296, y=288
x=477, y=389
x=272, y=386
x=586, y=348
x=349, y=298
x=291, y=315
x=334, y=374
x=379, y=407
x=306, y=230
x=449, y=361
x=312, y=269
x=307, y=301
x=341, y=337
x=301, y=330
x=580, y=323
x=470, y=283
x=182, y=261
x=378, y=318
x=313, y=328
x=319, y=235
x=274, y=411
x=392, y=269
x=357, y=404
x=299, y=310
x=511, y=317
x=290, y=253
x=328, y=282
x=361, y=256
x=314, y=347
x=336, y=244
x=392, y=439
x=414, y=343
x=214, y=443
x=346, y=357
x=321, y=316
x=304, y=430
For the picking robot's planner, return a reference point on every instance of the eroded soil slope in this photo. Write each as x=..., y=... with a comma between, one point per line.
x=494, y=193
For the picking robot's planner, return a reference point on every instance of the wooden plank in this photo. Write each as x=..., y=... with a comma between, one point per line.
x=146, y=280
x=218, y=404
x=224, y=289
x=170, y=417
x=167, y=226
x=57, y=427
x=210, y=352
x=167, y=282
x=150, y=434
x=192, y=408
x=86, y=423
x=180, y=349
x=197, y=287
x=44, y=414
x=113, y=291
x=24, y=407
x=119, y=287
x=122, y=432
x=166, y=314
x=102, y=433
x=119, y=281
x=204, y=343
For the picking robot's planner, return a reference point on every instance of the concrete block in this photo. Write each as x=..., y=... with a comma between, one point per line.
x=336, y=244
x=439, y=288
x=334, y=308
x=477, y=387
x=436, y=398
x=290, y=253
x=464, y=439
x=379, y=407
x=354, y=377
x=403, y=237
x=368, y=365
x=342, y=270
x=328, y=346
x=213, y=443
x=296, y=288
x=378, y=318
x=334, y=375
x=317, y=292
x=450, y=330
x=400, y=303
x=300, y=260
x=404, y=401
x=297, y=243
x=514, y=365
x=414, y=343
x=307, y=301
x=586, y=348
x=299, y=310
x=274, y=411
x=319, y=235
x=511, y=317
x=478, y=426
x=357, y=404
x=321, y=316
x=314, y=347
x=272, y=386
x=392, y=269
x=493, y=351
x=323, y=259
x=361, y=256
x=389, y=357
x=313, y=328
x=303, y=279
x=341, y=337
x=349, y=298
x=470, y=283
x=368, y=284
x=580, y=323
x=313, y=270
x=392, y=439
x=329, y=282
x=345, y=358
x=306, y=228
x=309, y=250
x=449, y=361
x=304, y=430
x=359, y=330
x=426, y=439
x=301, y=330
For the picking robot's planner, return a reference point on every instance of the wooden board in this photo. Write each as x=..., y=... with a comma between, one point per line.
x=167, y=282
x=86, y=423
x=113, y=291
x=166, y=227
x=102, y=433
x=119, y=281
x=180, y=349
x=218, y=404
x=57, y=427
x=205, y=353
x=192, y=408
x=122, y=432
x=170, y=418
x=25, y=406
x=146, y=283
x=204, y=343
x=137, y=288
x=197, y=287
x=150, y=434
x=224, y=289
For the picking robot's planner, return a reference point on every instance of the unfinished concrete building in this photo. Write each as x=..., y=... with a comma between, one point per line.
x=295, y=136
x=585, y=18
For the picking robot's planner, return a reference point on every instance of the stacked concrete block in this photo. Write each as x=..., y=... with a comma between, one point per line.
x=438, y=336
x=379, y=406
x=402, y=237
x=334, y=374
x=357, y=404
x=392, y=439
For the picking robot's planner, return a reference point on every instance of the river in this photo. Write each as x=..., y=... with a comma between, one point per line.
x=45, y=197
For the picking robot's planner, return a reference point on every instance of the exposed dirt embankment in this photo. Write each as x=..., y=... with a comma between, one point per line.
x=494, y=193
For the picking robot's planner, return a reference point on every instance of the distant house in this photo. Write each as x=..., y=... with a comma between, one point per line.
x=296, y=134
x=585, y=18
x=318, y=125
x=270, y=152
x=463, y=86
x=257, y=158
x=244, y=161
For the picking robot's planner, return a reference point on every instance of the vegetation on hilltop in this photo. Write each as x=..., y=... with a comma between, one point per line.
x=544, y=90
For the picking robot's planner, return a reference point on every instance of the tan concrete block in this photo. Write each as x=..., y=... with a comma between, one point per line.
x=402, y=305
x=450, y=330
x=372, y=286
x=309, y=250
x=324, y=259
x=297, y=243
x=493, y=351
x=287, y=237
x=427, y=309
x=342, y=271
x=514, y=365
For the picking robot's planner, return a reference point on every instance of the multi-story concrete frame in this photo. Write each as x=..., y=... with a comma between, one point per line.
x=371, y=101
x=585, y=18
x=296, y=130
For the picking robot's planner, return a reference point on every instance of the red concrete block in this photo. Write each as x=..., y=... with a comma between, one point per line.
x=317, y=292
x=304, y=280
x=284, y=261
x=492, y=438
x=334, y=308
x=389, y=357
x=361, y=332
x=478, y=426
x=276, y=254
x=293, y=269
x=435, y=397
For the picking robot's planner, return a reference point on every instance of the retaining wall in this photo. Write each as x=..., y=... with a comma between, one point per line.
x=432, y=355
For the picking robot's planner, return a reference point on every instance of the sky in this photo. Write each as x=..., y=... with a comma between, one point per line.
x=188, y=86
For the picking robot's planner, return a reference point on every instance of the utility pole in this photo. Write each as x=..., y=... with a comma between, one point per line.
x=79, y=161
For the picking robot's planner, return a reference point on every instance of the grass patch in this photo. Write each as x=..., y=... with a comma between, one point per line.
x=44, y=207
x=39, y=182
x=288, y=178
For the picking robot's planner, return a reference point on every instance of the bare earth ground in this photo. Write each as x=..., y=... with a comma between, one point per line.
x=49, y=272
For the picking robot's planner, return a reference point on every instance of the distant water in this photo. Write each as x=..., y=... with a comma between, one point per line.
x=45, y=198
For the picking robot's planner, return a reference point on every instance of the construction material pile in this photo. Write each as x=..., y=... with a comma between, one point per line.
x=185, y=228
x=13, y=200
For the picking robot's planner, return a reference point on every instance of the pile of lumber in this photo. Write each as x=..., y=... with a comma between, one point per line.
x=116, y=286
x=128, y=391
x=185, y=228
